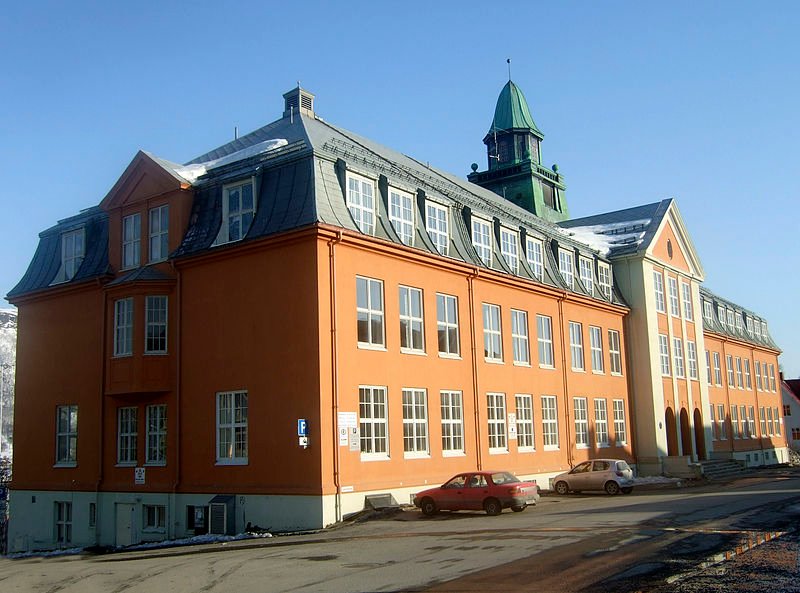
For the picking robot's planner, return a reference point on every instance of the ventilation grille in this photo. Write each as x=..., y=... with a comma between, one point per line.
x=307, y=102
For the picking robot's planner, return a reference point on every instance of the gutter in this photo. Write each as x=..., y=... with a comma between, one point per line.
x=334, y=374
x=476, y=404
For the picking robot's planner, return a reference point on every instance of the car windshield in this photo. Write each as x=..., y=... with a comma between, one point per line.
x=456, y=482
x=504, y=478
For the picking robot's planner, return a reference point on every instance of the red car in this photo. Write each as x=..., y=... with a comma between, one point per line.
x=491, y=491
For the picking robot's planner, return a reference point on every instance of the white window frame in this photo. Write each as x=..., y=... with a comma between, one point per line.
x=604, y=279
x=739, y=322
x=620, y=429
x=242, y=216
x=482, y=239
x=751, y=422
x=156, y=325
x=778, y=422
x=596, y=349
x=158, y=230
x=748, y=378
x=674, y=303
x=534, y=253
x=415, y=423
x=519, y=337
x=688, y=310
x=731, y=320
x=658, y=291
x=496, y=418
x=712, y=418
x=123, y=327
x=156, y=434
x=401, y=214
x=736, y=430
x=525, y=433
x=739, y=373
x=586, y=274
x=447, y=307
x=581, y=418
x=127, y=435
x=509, y=248
x=614, y=352
x=63, y=522
x=370, y=313
x=549, y=422
x=708, y=311
x=721, y=420
x=762, y=421
x=663, y=352
x=691, y=359
x=770, y=422
x=361, y=193
x=677, y=356
x=601, y=423
x=67, y=435
x=452, y=416
x=412, y=320
x=566, y=267
x=232, y=427
x=721, y=316
x=131, y=241
x=772, y=384
x=717, y=370
x=576, y=346
x=373, y=419
x=544, y=339
x=492, y=333
x=437, y=225
x=73, y=248
x=731, y=375
x=759, y=382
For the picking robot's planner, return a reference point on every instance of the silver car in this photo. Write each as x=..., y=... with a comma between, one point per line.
x=612, y=475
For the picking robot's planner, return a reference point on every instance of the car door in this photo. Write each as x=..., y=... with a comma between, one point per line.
x=476, y=491
x=599, y=475
x=451, y=495
x=578, y=478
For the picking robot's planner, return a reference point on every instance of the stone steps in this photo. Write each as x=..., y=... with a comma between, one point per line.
x=718, y=469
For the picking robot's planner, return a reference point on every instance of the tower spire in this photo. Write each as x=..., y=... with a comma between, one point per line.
x=508, y=61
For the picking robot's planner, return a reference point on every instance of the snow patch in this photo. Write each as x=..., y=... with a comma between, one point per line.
x=604, y=237
x=191, y=172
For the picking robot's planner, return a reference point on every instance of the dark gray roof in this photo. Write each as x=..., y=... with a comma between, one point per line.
x=713, y=325
x=143, y=274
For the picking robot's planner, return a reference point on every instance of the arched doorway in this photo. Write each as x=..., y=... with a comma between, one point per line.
x=686, y=433
x=672, y=432
x=699, y=435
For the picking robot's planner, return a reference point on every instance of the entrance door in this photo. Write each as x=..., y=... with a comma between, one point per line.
x=125, y=524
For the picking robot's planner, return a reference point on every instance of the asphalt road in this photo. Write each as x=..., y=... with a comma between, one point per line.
x=648, y=541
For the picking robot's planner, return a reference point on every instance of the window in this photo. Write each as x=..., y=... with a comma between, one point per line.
x=658, y=287
x=739, y=322
x=447, y=324
x=721, y=315
x=238, y=209
x=373, y=422
x=739, y=380
x=770, y=422
x=717, y=370
x=565, y=267
x=759, y=384
x=777, y=423
x=544, y=332
x=748, y=380
x=549, y=422
x=614, y=352
x=708, y=367
x=63, y=513
x=714, y=426
x=66, y=435
x=415, y=422
x=401, y=215
x=596, y=347
x=452, y=423
x=492, y=337
x=745, y=424
x=72, y=250
x=232, y=427
x=729, y=364
x=156, y=331
x=411, y=320
x=534, y=254
x=496, y=414
x=519, y=336
x=509, y=247
x=708, y=311
x=691, y=359
x=361, y=202
x=92, y=514
x=735, y=428
x=436, y=224
x=587, y=276
x=772, y=377
x=764, y=333
x=576, y=345
x=600, y=423
x=620, y=433
x=787, y=410
x=581, y=422
x=677, y=355
x=674, y=306
x=688, y=312
x=156, y=434
x=663, y=350
x=127, y=435
x=731, y=322
x=762, y=421
x=131, y=240
x=604, y=279
x=155, y=517
x=369, y=309
x=723, y=427
x=525, y=440
x=482, y=240
x=159, y=233
x=123, y=327
x=751, y=422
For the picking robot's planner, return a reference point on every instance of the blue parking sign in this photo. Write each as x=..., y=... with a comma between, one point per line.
x=302, y=427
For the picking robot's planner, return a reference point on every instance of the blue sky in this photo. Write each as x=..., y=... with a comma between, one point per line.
x=692, y=100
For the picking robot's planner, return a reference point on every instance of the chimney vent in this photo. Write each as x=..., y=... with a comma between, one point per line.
x=298, y=101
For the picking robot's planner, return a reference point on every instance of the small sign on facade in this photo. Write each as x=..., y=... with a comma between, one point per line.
x=355, y=441
x=302, y=427
x=512, y=426
x=346, y=420
x=138, y=475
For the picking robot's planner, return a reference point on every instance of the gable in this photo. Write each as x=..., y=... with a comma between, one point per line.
x=144, y=178
x=668, y=249
x=672, y=246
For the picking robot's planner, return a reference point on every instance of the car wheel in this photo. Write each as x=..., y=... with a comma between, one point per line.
x=627, y=489
x=612, y=487
x=562, y=488
x=518, y=509
x=492, y=506
x=428, y=507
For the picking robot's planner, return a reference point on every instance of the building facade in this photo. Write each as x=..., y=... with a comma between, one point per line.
x=302, y=318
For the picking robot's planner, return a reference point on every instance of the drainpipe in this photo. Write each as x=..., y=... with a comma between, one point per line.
x=178, y=367
x=476, y=404
x=565, y=375
x=334, y=373
x=101, y=431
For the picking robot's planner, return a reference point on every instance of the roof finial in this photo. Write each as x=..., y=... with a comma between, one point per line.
x=508, y=61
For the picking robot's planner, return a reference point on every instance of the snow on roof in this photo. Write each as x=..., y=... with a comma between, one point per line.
x=192, y=172
x=604, y=237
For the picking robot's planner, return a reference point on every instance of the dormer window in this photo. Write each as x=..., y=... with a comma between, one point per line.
x=565, y=266
x=436, y=223
x=739, y=323
x=534, y=254
x=482, y=239
x=131, y=241
x=401, y=215
x=159, y=233
x=238, y=210
x=587, y=277
x=708, y=311
x=604, y=279
x=731, y=322
x=509, y=248
x=72, y=251
x=361, y=202
x=721, y=315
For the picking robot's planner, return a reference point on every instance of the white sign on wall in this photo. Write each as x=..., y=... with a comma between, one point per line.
x=346, y=421
x=512, y=426
x=138, y=475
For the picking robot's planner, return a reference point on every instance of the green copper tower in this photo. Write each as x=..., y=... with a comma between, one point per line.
x=513, y=147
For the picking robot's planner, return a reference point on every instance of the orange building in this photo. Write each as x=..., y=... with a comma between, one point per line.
x=302, y=318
